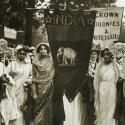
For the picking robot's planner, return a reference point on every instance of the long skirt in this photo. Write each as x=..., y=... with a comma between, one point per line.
x=119, y=114
x=43, y=109
x=20, y=120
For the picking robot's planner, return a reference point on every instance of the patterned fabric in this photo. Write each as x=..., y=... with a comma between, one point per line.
x=42, y=74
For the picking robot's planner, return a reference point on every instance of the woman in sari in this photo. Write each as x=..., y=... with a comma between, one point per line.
x=106, y=76
x=42, y=84
x=21, y=73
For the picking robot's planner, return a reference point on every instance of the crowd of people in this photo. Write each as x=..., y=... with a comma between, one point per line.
x=27, y=87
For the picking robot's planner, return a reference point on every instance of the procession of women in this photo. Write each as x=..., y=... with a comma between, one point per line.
x=27, y=88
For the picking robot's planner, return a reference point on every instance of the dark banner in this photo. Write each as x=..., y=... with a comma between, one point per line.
x=70, y=35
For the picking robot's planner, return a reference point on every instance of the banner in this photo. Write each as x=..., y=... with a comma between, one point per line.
x=107, y=25
x=70, y=37
x=10, y=33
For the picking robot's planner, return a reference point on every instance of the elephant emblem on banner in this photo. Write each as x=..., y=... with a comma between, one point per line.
x=66, y=56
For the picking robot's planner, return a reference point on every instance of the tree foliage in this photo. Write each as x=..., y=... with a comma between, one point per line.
x=12, y=12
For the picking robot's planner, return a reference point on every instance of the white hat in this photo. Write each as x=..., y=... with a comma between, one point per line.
x=32, y=48
x=19, y=47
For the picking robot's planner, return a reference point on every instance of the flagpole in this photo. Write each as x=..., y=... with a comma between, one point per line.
x=29, y=22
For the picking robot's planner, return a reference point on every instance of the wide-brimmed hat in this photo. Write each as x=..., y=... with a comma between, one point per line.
x=119, y=45
x=22, y=47
x=119, y=42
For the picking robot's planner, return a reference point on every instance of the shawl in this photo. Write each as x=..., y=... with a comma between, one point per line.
x=42, y=75
x=43, y=70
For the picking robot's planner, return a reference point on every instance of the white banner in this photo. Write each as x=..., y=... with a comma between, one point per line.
x=107, y=25
x=10, y=33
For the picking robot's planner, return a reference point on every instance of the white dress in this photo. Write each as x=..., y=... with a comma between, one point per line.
x=22, y=74
x=74, y=111
x=8, y=106
x=106, y=96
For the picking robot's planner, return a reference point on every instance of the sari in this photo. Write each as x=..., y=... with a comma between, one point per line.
x=42, y=80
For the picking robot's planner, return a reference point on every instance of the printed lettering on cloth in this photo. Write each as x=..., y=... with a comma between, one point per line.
x=107, y=25
x=70, y=37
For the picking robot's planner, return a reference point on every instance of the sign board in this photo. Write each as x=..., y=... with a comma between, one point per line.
x=10, y=33
x=107, y=25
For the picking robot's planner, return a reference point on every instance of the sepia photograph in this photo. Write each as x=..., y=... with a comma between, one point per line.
x=62, y=62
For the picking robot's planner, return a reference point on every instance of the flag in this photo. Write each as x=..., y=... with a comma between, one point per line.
x=70, y=35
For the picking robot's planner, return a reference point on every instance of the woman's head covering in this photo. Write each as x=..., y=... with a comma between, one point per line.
x=3, y=45
x=21, y=47
x=109, y=52
x=45, y=64
x=43, y=44
x=3, y=42
x=36, y=59
x=25, y=49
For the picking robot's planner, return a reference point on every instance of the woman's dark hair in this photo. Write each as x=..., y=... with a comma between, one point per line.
x=97, y=52
x=39, y=48
x=108, y=52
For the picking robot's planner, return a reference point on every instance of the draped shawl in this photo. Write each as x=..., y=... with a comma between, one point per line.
x=42, y=77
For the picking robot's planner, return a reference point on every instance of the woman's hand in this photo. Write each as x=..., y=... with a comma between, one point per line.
x=27, y=86
x=12, y=74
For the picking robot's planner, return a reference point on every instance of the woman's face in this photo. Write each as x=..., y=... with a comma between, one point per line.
x=94, y=56
x=43, y=50
x=107, y=57
x=21, y=55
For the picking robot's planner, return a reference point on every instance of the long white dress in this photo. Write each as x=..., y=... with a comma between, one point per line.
x=8, y=106
x=74, y=111
x=22, y=74
x=105, y=105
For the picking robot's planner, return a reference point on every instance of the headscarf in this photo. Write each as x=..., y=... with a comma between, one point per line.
x=36, y=60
